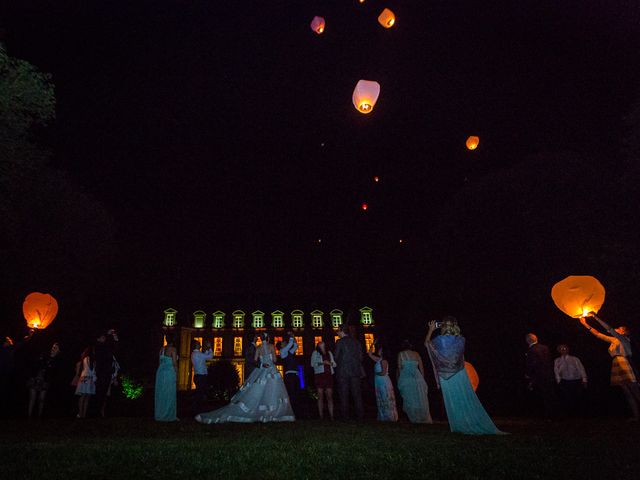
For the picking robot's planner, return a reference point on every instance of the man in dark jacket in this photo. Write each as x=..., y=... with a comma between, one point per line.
x=539, y=373
x=349, y=372
x=105, y=350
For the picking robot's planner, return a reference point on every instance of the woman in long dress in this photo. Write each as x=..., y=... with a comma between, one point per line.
x=622, y=373
x=262, y=398
x=165, y=393
x=412, y=386
x=464, y=411
x=385, y=396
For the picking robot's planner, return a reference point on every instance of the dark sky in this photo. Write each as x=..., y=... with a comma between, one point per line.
x=222, y=138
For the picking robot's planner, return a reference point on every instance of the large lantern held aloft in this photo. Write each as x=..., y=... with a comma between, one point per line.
x=365, y=95
x=473, y=142
x=387, y=19
x=39, y=310
x=317, y=25
x=578, y=295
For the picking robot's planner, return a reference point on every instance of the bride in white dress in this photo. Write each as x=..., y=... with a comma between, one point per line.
x=262, y=398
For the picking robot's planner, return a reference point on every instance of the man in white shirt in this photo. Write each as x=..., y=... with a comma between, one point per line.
x=571, y=378
x=199, y=363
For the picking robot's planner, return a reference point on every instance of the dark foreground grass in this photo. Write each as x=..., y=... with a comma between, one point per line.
x=141, y=448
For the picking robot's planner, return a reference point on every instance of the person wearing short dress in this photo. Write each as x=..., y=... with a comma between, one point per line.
x=323, y=365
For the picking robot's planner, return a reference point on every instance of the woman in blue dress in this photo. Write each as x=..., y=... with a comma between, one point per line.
x=385, y=396
x=412, y=386
x=165, y=394
x=464, y=411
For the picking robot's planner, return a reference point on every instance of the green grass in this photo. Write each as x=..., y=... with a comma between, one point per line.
x=140, y=448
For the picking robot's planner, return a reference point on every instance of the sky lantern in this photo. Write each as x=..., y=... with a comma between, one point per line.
x=473, y=375
x=387, y=19
x=317, y=25
x=364, y=206
x=365, y=95
x=39, y=309
x=578, y=295
x=473, y=142
x=376, y=179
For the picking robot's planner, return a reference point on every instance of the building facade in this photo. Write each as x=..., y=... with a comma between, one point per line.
x=228, y=334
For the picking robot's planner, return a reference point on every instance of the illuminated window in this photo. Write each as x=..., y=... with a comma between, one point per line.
x=335, y=338
x=217, y=346
x=170, y=317
x=164, y=340
x=336, y=318
x=199, y=318
x=368, y=341
x=218, y=319
x=237, y=346
x=198, y=339
x=317, y=340
x=240, y=370
x=258, y=319
x=258, y=341
x=280, y=369
x=365, y=316
x=316, y=319
x=275, y=342
x=238, y=319
x=296, y=319
x=300, y=350
x=277, y=319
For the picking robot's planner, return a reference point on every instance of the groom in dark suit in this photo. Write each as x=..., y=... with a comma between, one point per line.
x=349, y=372
x=539, y=373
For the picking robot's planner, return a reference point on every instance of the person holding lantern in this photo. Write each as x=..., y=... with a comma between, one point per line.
x=464, y=411
x=40, y=381
x=622, y=374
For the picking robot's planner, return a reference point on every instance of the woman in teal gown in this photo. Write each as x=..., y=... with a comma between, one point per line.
x=464, y=411
x=165, y=394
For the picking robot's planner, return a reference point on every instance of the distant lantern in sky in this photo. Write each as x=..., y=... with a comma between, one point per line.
x=365, y=95
x=364, y=206
x=360, y=1
x=39, y=309
x=317, y=25
x=387, y=19
x=578, y=295
x=376, y=179
x=473, y=142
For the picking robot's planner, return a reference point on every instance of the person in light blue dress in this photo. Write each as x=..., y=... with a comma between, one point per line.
x=165, y=393
x=413, y=388
x=464, y=411
x=385, y=396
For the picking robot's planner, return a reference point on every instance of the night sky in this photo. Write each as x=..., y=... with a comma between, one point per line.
x=221, y=139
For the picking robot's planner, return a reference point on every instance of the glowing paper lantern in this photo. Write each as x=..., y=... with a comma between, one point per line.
x=365, y=95
x=39, y=310
x=578, y=295
x=364, y=206
x=473, y=375
x=472, y=142
x=317, y=25
x=387, y=18
x=376, y=179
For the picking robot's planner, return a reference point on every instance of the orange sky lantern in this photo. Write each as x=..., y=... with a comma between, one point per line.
x=39, y=309
x=578, y=295
x=473, y=142
x=387, y=19
x=473, y=375
x=365, y=95
x=364, y=206
x=317, y=25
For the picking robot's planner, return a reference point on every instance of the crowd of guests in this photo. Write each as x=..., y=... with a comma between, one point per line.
x=560, y=383
x=46, y=375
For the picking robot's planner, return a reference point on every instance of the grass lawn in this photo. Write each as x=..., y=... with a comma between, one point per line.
x=141, y=448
